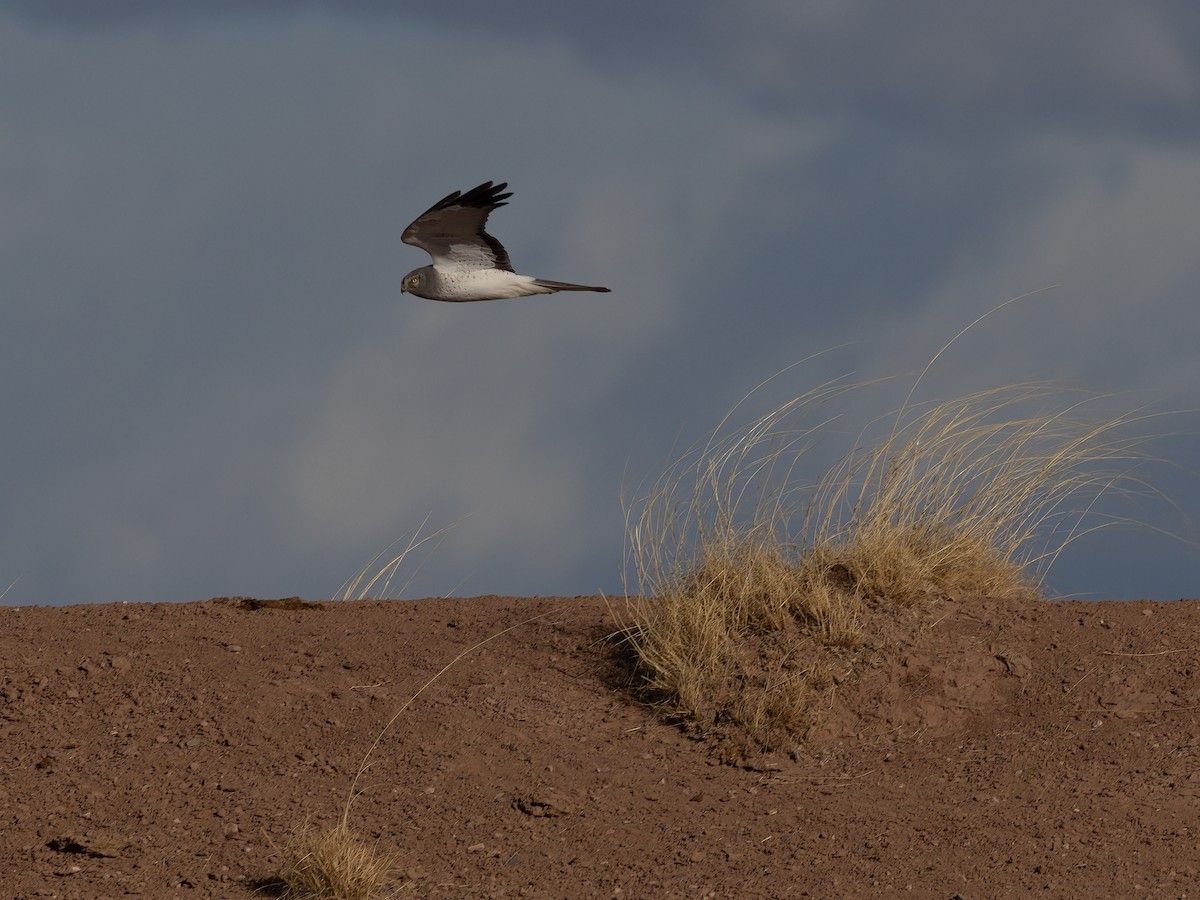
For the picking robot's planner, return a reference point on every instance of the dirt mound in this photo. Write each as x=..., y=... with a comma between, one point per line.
x=989, y=749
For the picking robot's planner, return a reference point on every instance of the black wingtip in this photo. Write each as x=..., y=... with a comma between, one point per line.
x=485, y=196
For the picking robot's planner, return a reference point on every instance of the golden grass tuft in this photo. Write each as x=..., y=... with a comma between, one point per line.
x=970, y=496
x=334, y=864
x=749, y=579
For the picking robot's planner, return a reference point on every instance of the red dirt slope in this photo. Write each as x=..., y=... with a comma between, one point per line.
x=994, y=750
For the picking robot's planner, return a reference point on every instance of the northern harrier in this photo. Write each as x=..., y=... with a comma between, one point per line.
x=468, y=263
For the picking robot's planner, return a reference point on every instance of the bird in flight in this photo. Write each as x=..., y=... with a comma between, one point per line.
x=468, y=263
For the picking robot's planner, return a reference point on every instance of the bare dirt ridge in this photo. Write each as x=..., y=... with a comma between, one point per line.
x=993, y=749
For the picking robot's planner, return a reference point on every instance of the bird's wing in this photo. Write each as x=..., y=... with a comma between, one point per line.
x=452, y=230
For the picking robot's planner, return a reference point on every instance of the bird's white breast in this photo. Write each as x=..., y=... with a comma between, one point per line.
x=484, y=284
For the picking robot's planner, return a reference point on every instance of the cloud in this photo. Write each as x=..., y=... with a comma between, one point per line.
x=989, y=71
x=1115, y=236
x=223, y=391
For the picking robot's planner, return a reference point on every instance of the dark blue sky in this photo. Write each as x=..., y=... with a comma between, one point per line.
x=213, y=384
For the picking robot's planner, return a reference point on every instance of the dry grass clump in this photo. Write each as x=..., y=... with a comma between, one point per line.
x=749, y=578
x=334, y=864
x=727, y=612
x=731, y=644
x=968, y=496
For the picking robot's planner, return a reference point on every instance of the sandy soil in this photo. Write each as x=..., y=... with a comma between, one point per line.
x=995, y=750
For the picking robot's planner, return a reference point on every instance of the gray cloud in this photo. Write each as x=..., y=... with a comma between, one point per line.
x=221, y=390
x=976, y=70
x=992, y=71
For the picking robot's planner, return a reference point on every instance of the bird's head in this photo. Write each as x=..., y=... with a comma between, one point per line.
x=414, y=281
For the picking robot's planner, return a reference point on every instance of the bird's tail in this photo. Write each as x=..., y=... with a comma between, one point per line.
x=565, y=286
